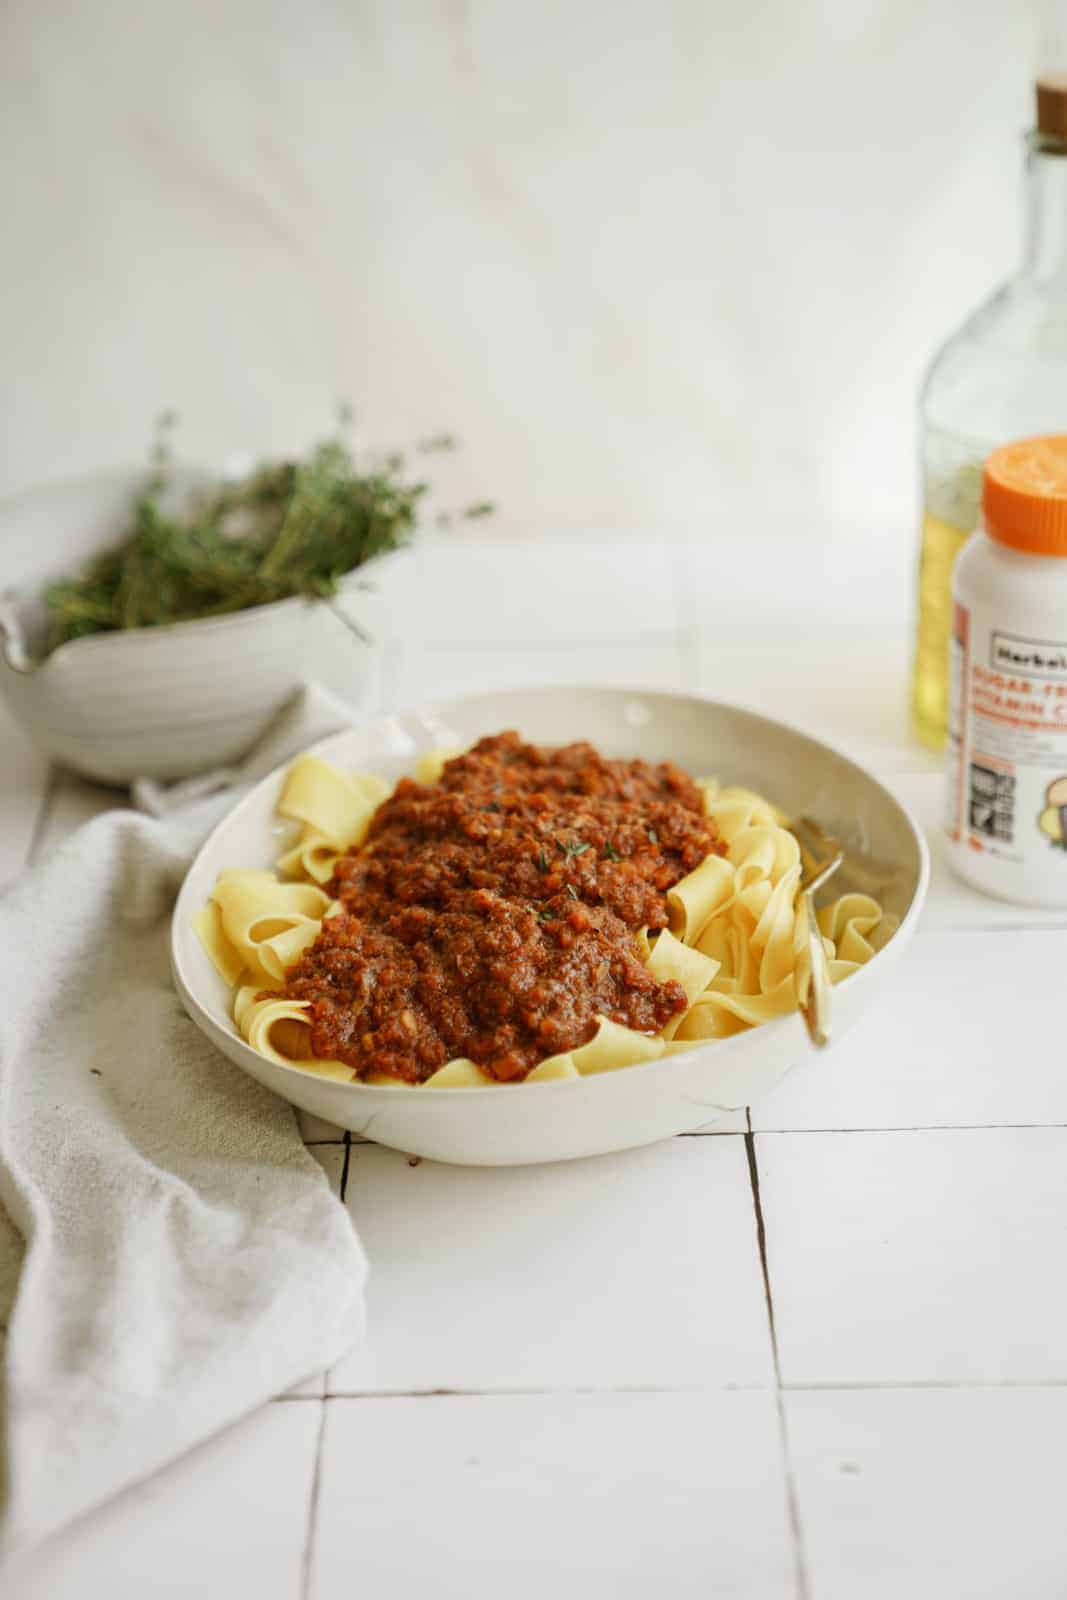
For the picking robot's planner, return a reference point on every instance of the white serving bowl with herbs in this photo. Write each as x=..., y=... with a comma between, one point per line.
x=116, y=700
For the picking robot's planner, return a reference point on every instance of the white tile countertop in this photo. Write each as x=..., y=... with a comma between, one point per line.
x=816, y=1353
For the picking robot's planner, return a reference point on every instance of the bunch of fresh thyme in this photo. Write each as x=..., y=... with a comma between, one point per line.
x=290, y=528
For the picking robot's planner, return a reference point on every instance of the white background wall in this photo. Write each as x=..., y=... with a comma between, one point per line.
x=657, y=264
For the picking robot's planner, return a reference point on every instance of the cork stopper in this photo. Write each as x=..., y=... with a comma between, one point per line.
x=1052, y=105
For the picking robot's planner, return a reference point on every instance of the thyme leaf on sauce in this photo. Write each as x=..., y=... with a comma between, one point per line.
x=572, y=891
x=611, y=853
x=542, y=861
x=570, y=848
x=653, y=836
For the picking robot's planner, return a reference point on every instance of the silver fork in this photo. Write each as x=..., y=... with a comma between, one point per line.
x=820, y=857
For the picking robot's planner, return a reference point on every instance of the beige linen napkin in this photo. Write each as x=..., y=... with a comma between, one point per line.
x=184, y=1257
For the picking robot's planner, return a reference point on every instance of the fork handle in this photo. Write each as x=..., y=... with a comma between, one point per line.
x=815, y=997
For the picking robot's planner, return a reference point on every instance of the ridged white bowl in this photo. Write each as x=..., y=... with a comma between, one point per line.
x=151, y=702
x=512, y=1124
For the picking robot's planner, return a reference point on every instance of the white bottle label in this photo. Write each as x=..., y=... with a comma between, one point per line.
x=1007, y=792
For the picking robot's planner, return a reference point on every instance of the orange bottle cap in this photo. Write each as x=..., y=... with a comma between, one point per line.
x=1024, y=495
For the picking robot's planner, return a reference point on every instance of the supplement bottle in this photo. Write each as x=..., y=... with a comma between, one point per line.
x=1007, y=732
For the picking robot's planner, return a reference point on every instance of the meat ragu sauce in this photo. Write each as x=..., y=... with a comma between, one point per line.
x=493, y=914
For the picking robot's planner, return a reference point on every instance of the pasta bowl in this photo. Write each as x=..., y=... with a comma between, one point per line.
x=514, y=1124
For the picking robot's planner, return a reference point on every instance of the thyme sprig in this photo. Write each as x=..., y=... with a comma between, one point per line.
x=287, y=528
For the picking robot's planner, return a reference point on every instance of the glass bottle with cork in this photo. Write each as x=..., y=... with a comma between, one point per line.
x=1002, y=376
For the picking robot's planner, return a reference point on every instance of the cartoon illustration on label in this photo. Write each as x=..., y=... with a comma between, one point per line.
x=1053, y=820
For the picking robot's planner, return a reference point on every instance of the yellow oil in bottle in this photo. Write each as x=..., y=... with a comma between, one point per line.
x=952, y=492
x=941, y=543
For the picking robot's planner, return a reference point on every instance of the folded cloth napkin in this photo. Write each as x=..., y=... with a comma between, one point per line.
x=184, y=1258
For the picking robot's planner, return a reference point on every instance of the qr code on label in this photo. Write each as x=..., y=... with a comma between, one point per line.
x=992, y=802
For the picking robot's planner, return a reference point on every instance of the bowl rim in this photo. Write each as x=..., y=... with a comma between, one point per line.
x=109, y=637
x=210, y=1026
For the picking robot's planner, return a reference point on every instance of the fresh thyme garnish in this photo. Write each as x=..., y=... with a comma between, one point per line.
x=611, y=852
x=572, y=891
x=569, y=848
x=288, y=528
x=493, y=805
x=542, y=861
x=652, y=835
x=545, y=914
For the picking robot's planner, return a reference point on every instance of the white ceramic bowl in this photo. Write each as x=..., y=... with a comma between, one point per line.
x=152, y=702
x=512, y=1124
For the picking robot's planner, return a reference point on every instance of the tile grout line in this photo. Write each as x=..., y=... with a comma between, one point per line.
x=800, y=1568
x=519, y=1391
x=355, y=1142
x=761, y=1240
x=954, y=1385
x=839, y=1386
x=923, y=1127
x=800, y=1559
x=307, y=1561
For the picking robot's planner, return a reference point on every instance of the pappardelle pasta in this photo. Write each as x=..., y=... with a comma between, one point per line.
x=512, y=913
